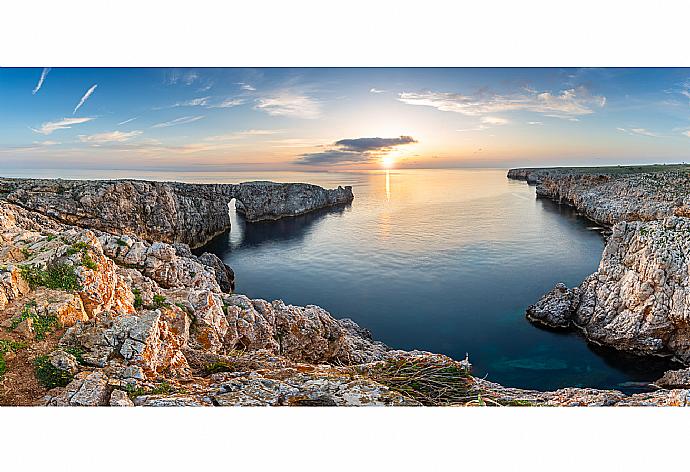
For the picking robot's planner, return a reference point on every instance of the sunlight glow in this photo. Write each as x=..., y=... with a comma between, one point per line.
x=387, y=162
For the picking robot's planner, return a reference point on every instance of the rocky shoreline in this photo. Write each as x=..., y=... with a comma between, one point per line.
x=638, y=300
x=171, y=212
x=95, y=310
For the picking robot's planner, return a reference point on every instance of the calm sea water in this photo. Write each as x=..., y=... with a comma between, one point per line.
x=440, y=260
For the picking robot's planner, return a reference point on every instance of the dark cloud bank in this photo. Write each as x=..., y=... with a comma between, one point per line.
x=356, y=150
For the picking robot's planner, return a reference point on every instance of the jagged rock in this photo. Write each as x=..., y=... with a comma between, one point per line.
x=87, y=389
x=224, y=274
x=175, y=400
x=675, y=379
x=63, y=360
x=153, y=341
x=12, y=285
x=292, y=388
x=66, y=307
x=165, y=211
x=210, y=322
x=161, y=262
x=556, y=308
x=120, y=398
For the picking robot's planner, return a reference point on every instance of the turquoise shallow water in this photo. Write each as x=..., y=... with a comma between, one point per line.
x=440, y=260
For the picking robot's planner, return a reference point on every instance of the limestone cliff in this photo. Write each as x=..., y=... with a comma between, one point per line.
x=92, y=318
x=169, y=212
x=638, y=299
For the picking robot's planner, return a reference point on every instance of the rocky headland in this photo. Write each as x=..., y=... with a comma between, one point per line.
x=171, y=212
x=96, y=309
x=638, y=300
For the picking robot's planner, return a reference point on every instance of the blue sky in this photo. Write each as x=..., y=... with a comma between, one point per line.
x=324, y=119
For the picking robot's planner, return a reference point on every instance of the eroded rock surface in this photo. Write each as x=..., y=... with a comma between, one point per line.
x=165, y=211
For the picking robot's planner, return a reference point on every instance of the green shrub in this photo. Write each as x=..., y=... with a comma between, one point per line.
x=88, y=262
x=59, y=276
x=50, y=376
x=159, y=301
x=138, y=301
x=76, y=351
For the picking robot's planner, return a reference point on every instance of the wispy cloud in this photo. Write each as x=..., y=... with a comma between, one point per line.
x=47, y=142
x=356, y=150
x=110, y=137
x=565, y=104
x=228, y=103
x=85, y=98
x=194, y=102
x=127, y=121
x=375, y=90
x=42, y=79
x=247, y=87
x=174, y=77
x=535, y=123
x=638, y=132
x=687, y=133
x=178, y=121
x=65, y=123
x=290, y=104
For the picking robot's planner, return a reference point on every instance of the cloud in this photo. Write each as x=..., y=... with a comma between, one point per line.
x=174, y=77
x=290, y=104
x=375, y=90
x=195, y=102
x=353, y=151
x=373, y=144
x=111, y=137
x=47, y=143
x=687, y=133
x=85, y=98
x=493, y=120
x=247, y=87
x=535, y=123
x=178, y=121
x=127, y=121
x=565, y=104
x=65, y=123
x=228, y=103
x=44, y=74
x=639, y=132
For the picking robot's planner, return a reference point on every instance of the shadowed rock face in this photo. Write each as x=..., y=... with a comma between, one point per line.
x=165, y=211
x=638, y=299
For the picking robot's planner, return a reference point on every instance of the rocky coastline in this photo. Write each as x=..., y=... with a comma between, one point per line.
x=638, y=300
x=97, y=310
x=171, y=212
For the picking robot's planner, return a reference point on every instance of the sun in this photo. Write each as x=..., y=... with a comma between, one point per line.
x=387, y=162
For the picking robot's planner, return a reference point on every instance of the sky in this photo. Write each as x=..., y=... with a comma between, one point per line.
x=320, y=119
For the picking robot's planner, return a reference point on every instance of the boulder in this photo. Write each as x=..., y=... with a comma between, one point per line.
x=556, y=308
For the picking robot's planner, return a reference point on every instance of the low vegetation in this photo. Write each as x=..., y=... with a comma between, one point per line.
x=50, y=376
x=41, y=323
x=163, y=388
x=59, y=276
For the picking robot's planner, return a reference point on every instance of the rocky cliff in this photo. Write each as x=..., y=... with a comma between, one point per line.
x=638, y=299
x=169, y=212
x=93, y=318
